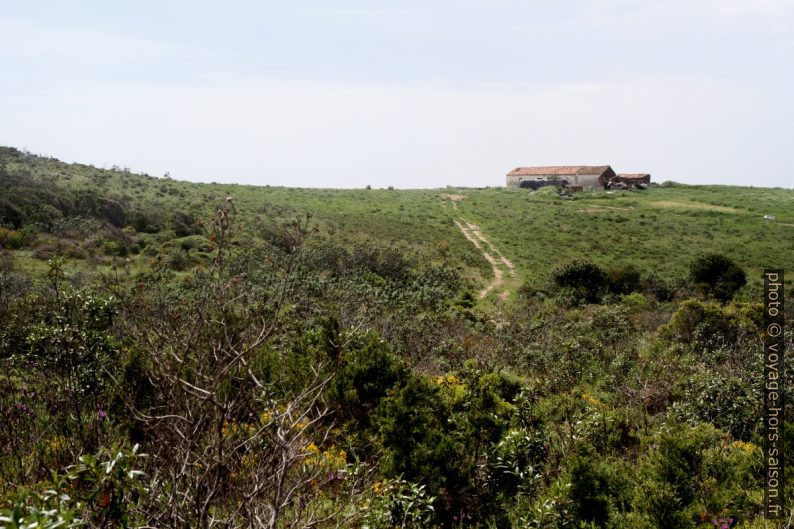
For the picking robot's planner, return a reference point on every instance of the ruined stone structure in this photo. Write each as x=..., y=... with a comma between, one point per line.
x=633, y=178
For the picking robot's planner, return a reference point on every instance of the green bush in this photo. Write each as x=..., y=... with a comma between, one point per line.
x=11, y=239
x=635, y=302
x=709, y=326
x=368, y=372
x=414, y=434
x=99, y=491
x=178, y=259
x=194, y=242
x=584, y=280
x=71, y=346
x=146, y=221
x=10, y=214
x=184, y=224
x=724, y=400
x=115, y=247
x=598, y=489
x=694, y=474
x=624, y=280
x=441, y=432
x=658, y=287
x=400, y=503
x=717, y=276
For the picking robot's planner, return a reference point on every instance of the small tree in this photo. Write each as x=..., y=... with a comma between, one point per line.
x=717, y=276
x=228, y=444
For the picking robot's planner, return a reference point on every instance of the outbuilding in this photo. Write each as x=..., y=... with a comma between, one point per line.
x=633, y=178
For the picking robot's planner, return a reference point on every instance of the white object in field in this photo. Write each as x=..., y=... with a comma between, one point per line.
x=769, y=217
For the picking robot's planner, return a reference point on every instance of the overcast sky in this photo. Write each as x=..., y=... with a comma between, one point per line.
x=409, y=93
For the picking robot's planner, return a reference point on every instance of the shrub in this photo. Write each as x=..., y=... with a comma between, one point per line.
x=178, y=259
x=636, y=302
x=184, y=224
x=658, y=287
x=583, y=279
x=114, y=213
x=368, y=372
x=624, y=280
x=412, y=423
x=596, y=488
x=72, y=346
x=724, y=400
x=10, y=239
x=671, y=480
x=709, y=326
x=13, y=285
x=194, y=242
x=717, y=275
x=99, y=491
x=610, y=325
x=115, y=247
x=399, y=503
x=146, y=221
x=10, y=214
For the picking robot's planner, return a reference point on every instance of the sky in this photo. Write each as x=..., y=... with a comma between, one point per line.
x=403, y=93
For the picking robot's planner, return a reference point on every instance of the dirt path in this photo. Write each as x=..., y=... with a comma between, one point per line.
x=500, y=265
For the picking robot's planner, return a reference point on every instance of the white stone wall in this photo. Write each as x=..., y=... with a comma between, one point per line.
x=584, y=180
x=588, y=180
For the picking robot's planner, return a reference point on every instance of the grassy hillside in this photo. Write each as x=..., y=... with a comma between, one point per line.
x=661, y=229
x=316, y=358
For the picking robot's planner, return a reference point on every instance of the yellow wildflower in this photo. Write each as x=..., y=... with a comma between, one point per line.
x=747, y=448
x=58, y=443
x=592, y=400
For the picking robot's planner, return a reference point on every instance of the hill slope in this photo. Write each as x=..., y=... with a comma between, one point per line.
x=661, y=229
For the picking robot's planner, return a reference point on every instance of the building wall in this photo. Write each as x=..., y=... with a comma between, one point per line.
x=584, y=180
x=588, y=180
x=514, y=181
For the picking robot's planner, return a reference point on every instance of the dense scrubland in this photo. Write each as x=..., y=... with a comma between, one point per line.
x=193, y=355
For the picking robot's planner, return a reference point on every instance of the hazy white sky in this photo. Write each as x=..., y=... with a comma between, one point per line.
x=409, y=93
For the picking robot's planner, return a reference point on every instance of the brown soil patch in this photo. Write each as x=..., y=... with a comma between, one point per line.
x=594, y=208
x=691, y=205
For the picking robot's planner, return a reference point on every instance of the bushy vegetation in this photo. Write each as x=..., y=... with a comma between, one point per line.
x=718, y=276
x=195, y=357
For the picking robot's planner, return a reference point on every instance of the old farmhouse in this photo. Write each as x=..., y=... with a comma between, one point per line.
x=580, y=176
